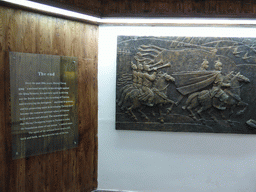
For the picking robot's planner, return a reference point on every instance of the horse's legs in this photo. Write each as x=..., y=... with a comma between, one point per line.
x=241, y=103
x=161, y=118
x=193, y=115
x=231, y=111
x=203, y=108
x=179, y=100
x=143, y=115
x=192, y=104
x=170, y=101
x=200, y=111
x=170, y=108
x=129, y=111
x=213, y=117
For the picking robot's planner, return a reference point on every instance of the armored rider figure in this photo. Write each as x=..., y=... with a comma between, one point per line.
x=204, y=65
x=147, y=83
x=216, y=90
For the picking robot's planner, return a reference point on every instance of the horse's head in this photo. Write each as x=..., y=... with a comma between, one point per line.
x=168, y=77
x=234, y=82
x=241, y=78
x=162, y=79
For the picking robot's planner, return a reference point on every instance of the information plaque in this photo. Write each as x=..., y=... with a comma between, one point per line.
x=43, y=103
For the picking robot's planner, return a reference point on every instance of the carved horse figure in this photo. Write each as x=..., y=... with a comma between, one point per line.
x=234, y=92
x=132, y=99
x=229, y=99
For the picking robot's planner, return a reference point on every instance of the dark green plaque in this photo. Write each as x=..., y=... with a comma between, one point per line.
x=186, y=84
x=43, y=103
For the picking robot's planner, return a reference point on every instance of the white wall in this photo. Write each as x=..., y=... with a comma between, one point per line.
x=166, y=161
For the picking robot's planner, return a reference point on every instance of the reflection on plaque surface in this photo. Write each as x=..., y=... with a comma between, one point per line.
x=186, y=84
x=43, y=103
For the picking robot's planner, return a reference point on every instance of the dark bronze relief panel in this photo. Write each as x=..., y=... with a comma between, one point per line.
x=186, y=84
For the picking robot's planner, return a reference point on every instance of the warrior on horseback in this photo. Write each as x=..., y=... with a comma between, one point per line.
x=189, y=83
x=147, y=85
x=136, y=73
x=217, y=91
x=145, y=89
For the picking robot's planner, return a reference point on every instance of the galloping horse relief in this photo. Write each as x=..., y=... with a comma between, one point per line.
x=186, y=84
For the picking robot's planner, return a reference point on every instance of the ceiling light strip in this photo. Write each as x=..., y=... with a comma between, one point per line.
x=130, y=21
x=197, y=21
x=54, y=10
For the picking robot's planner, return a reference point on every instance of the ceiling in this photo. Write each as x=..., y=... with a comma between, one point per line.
x=159, y=8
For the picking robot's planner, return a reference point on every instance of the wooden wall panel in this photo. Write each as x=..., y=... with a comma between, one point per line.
x=71, y=170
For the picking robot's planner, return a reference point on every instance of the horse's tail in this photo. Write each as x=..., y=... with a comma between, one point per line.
x=126, y=89
x=131, y=95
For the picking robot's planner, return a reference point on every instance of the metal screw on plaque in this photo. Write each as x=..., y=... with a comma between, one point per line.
x=74, y=62
x=17, y=153
x=74, y=142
